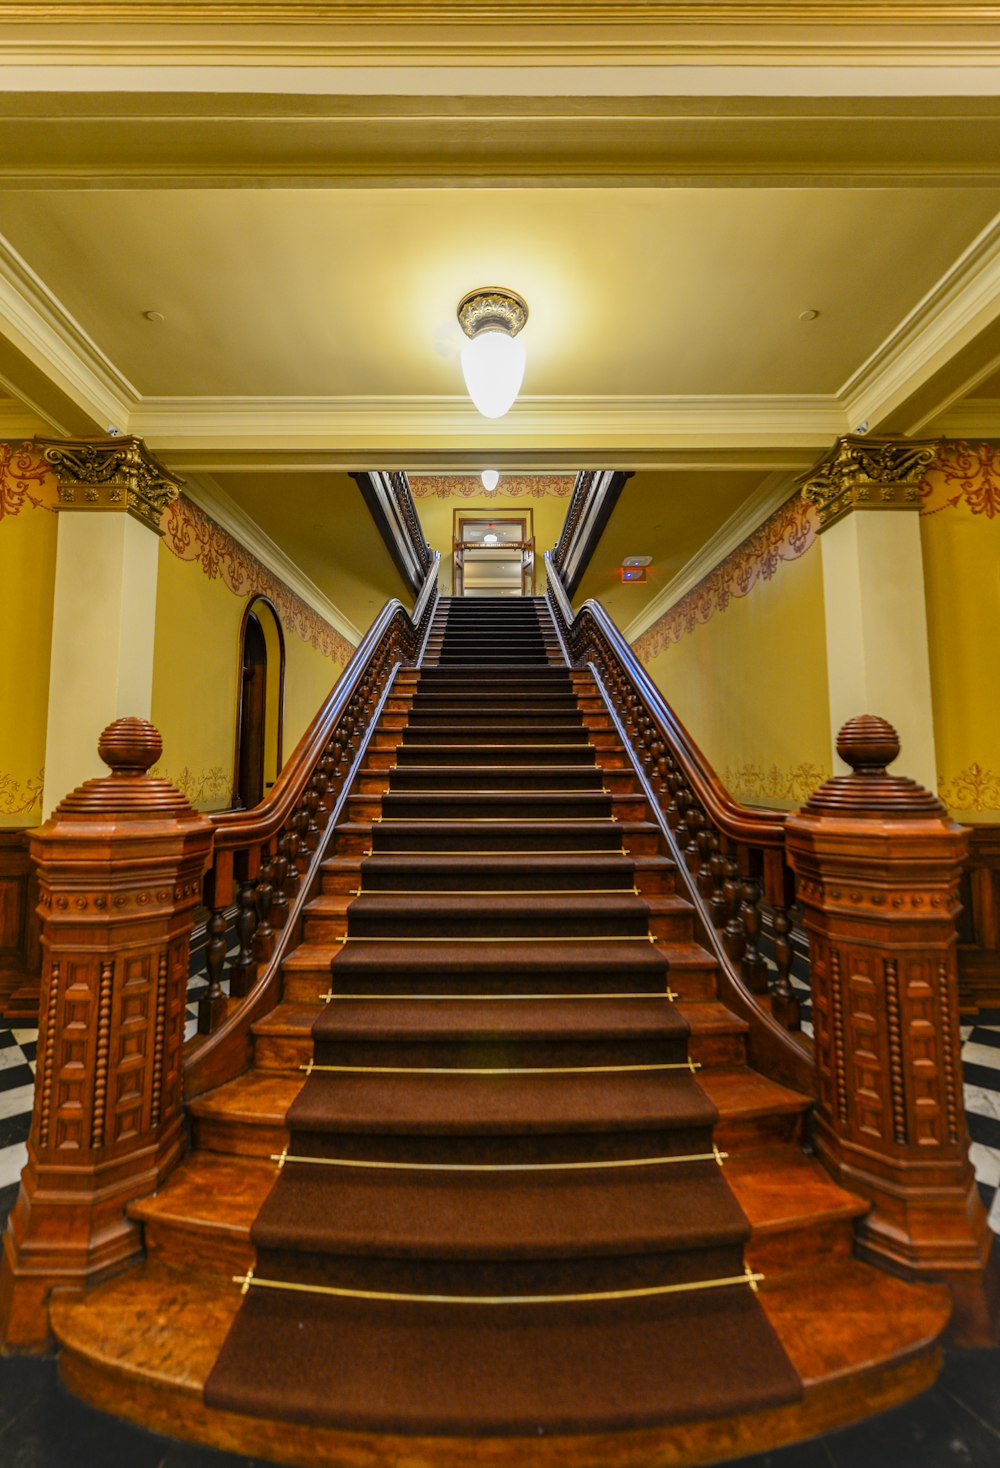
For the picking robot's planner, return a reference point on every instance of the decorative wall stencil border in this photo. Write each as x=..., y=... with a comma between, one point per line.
x=974, y=788
x=202, y=787
x=193, y=536
x=469, y=486
x=784, y=536
x=24, y=475
x=21, y=798
x=966, y=474
x=753, y=782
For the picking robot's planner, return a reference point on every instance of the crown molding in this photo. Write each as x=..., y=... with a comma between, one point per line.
x=407, y=424
x=213, y=499
x=964, y=301
x=38, y=324
x=971, y=418
x=17, y=421
x=766, y=498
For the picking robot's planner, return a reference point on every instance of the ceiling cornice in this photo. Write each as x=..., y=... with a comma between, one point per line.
x=213, y=499
x=41, y=327
x=973, y=418
x=768, y=497
x=398, y=424
x=16, y=421
x=954, y=310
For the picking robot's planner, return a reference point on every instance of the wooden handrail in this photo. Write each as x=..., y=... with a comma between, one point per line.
x=256, y=853
x=736, y=854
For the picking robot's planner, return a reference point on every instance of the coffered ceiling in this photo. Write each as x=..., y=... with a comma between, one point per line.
x=303, y=191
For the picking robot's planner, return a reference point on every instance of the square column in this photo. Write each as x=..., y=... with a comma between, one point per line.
x=873, y=587
x=112, y=494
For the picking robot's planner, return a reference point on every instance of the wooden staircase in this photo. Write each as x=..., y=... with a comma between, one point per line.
x=144, y=1344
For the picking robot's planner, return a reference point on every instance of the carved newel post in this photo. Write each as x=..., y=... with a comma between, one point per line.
x=120, y=864
x=877, y=861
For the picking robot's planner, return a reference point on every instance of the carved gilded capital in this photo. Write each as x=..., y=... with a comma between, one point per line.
x=116, y=474
x=867, y=474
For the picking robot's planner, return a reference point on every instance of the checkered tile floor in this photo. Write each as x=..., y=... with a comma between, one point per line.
x=980, y=1059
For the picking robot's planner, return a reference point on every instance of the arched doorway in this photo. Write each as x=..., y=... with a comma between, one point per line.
x=259, y=703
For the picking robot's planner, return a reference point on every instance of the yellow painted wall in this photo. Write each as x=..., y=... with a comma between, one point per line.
x=961, y=552
x=436, y=517
x=309, y=677
x=27, y=582
x=750, y=687
x=195, y=658
x=195, y=671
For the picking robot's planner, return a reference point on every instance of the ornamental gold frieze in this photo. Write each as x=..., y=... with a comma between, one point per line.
x=111, y=474
x=861, y=473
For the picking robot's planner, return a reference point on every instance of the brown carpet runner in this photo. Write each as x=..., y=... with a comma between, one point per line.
x=501, y=1211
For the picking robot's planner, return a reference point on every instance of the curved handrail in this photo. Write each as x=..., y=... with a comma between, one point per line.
x=237, y=828
x=735, y=853
x=752, y=824
x=257, y=852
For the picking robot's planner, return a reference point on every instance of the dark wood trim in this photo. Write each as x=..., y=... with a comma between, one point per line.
x=241, y=650
x=20, y=949
x=979, y=923
x=594, y=497
x=390, y=504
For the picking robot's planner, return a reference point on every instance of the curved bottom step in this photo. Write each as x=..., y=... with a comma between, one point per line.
x=142, y=1347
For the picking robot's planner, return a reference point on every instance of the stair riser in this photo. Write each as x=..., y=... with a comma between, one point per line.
x=246, y=1137
x=514, y=756
x=178, y=1245
x=666, y=927
x=480, y=1149
x=717, y=1050
x=694, y=985
x=478, y=880
x=306, y=985
x=806, y=1246
x=496, y=1279
x=453, y=781
x=288, y=1053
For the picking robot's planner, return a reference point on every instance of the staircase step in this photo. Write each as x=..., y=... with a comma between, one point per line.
x=200, y=1221
x=878, y=1346
x=518, y=915
x=800, y=1216
x=500, y=871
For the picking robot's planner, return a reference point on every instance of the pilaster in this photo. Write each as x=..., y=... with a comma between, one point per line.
x=873, y=587
x=111, y=496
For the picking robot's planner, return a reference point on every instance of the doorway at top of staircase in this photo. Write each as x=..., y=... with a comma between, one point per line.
x=493, y=554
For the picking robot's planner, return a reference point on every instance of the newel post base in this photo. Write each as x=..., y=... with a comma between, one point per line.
x=120, y=864
x=877, y=862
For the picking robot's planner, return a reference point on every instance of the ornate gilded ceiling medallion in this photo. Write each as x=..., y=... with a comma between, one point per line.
x=492, y=308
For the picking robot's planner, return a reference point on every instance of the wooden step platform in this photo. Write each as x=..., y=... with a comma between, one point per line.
x=142, y=1347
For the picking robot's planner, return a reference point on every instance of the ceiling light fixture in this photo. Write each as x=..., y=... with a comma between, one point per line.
x=490, y=539
x=490, y=478
x=492, y=360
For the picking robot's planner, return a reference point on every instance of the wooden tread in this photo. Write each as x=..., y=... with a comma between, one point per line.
x=142, y=1346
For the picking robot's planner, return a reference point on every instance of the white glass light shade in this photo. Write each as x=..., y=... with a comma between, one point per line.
x=493, y=367
x=490, y=539
x=490, y=478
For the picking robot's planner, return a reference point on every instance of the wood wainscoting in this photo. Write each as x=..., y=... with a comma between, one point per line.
x=20, y=950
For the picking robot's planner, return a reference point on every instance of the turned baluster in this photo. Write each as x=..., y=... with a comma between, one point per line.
x=647, y=737
x=720, y=903
x=784, y=1006
x=292, y=849
x=734, y=937
x=300, y=821
x=693, y=823
x=321, y=784
x=675, y=784
x=310, y=830
x=752, y=965
x=279, y=881
x=212, y=1005
x=682, y=802
x=242, y=969
x=263, y=938
x=658, y=772
x=707, y=839
x=339, y=751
